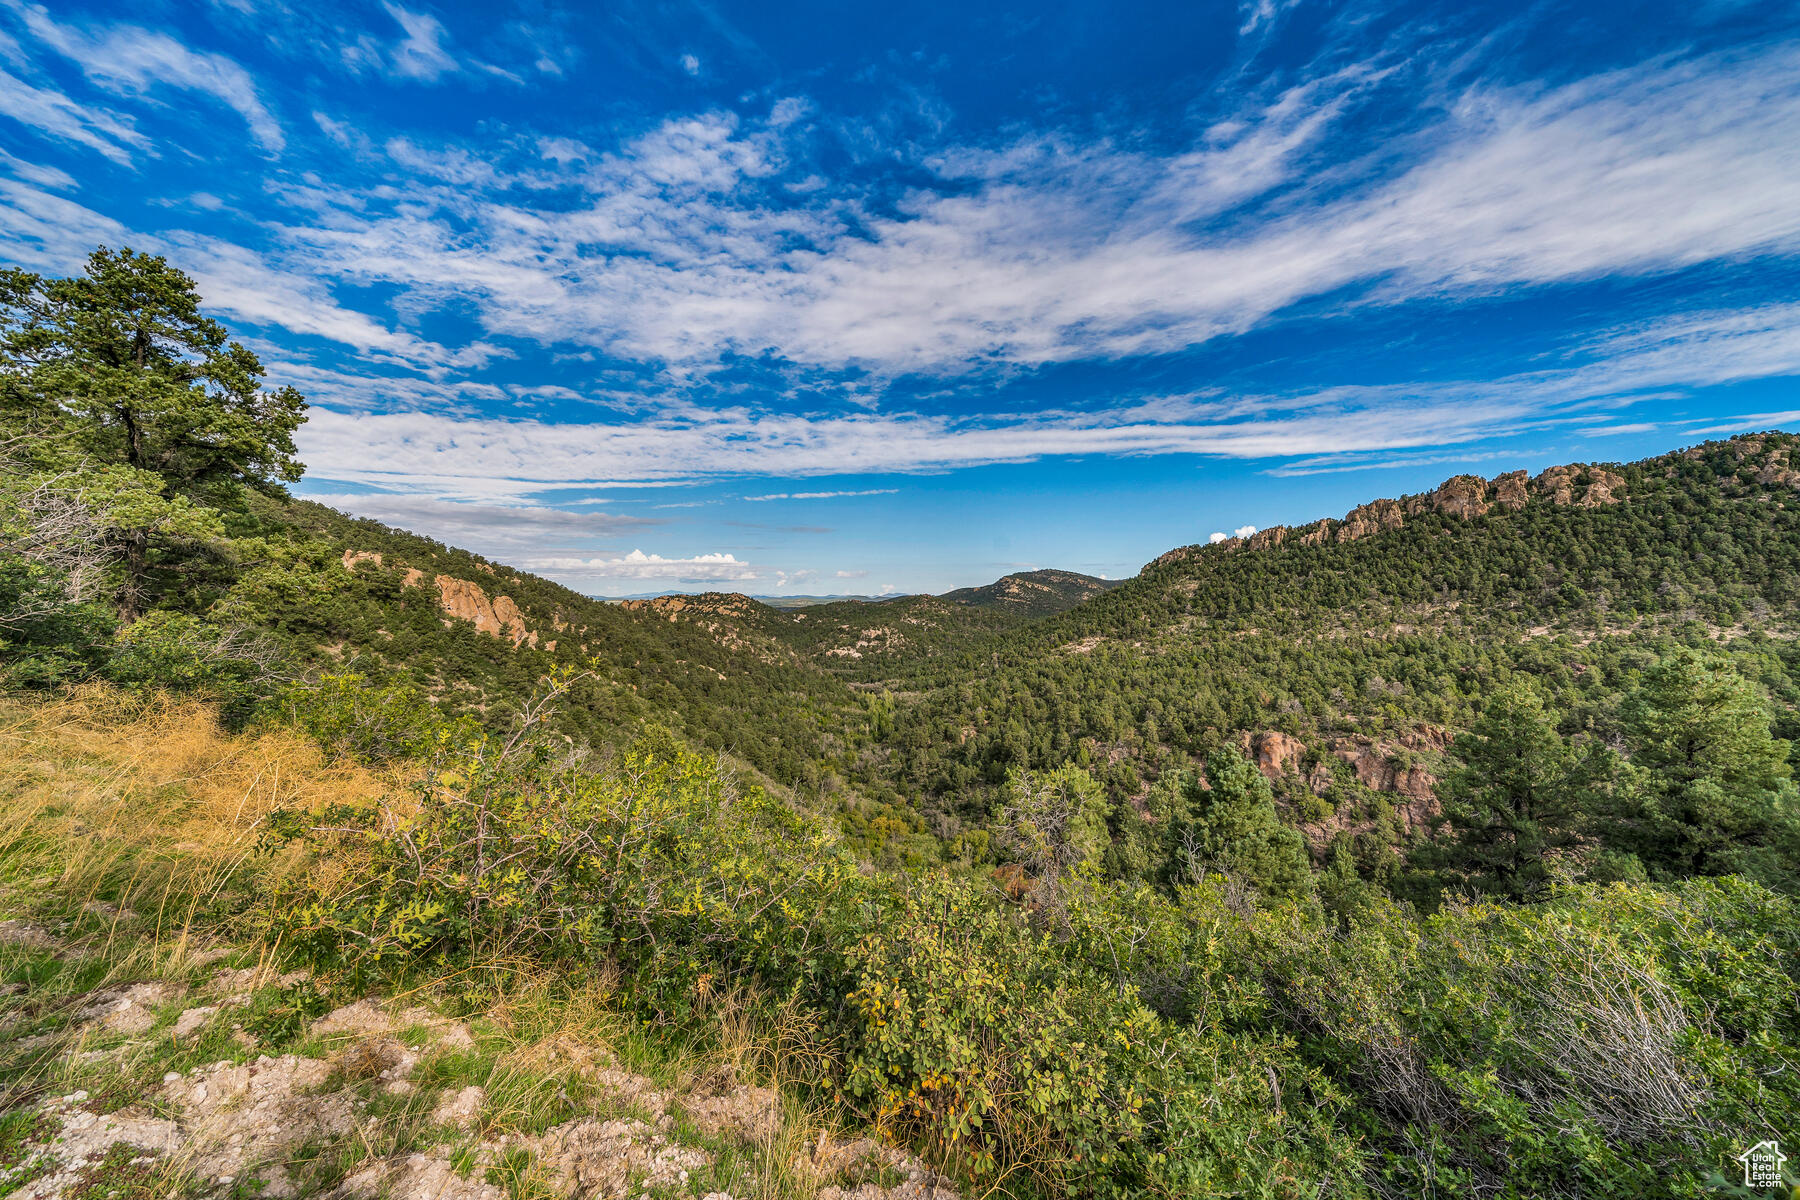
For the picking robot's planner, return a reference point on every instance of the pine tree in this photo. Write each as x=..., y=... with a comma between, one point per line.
x=1516, y=791
x=1235, y=830
x=1713, y=791
x=117, y=367
x=1055, y=822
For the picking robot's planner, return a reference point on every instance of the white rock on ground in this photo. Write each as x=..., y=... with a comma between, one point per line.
x=414, y=1177
x=85, y=1138
x=131, y=1008
x=598, y=1159
x=28, y=935
x=460, y=1109
x=852, y=1159
x=365, y=1019
x=190, y=1022
x=751, y=1114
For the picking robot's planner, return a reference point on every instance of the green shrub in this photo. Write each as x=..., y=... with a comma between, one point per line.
x=1617, y=1040
x=1008, y=1050
x=658, y=865
x=350, y=716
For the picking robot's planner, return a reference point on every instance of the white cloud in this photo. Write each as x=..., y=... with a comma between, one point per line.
x=49, y=112
x=1242, y=531
x=1334, y=464
x=638, y=566
x=487, y=529
x=690, y=64
x=132, y=61
x=1332, y=429
x=46, y=232
x=823, y=495
x=1052, y=250
x=256, y=289
x=420, y=54
x=1753, y=421
x=38, y=173
x=488, y=458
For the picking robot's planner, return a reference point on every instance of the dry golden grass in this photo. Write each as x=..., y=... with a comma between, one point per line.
x=147, y=802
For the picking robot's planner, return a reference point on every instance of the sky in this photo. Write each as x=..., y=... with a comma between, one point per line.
x=787, y=298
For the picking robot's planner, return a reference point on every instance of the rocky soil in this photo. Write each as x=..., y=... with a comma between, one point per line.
x=365, y=1104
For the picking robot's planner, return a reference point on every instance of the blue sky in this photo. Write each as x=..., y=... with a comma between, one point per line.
x=783, y=297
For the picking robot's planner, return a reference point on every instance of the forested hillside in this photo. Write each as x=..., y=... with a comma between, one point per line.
x=1345, y=655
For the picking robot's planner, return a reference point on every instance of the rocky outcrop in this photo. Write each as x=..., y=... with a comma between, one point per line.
x=1777, y=467
x=1380, y=765
x=1510, y=491
x=1274, y=753
x=462, y=600
x=1583, y=487
x=1770, y=458
x=465, y=601
x=1366, y=519
x=1316, y=534
x=1380, y=773
x=710, y=604
x=1463, y=497
x=1268, y=539
x=512, y=620
x=1179, y=554
x=352, y=557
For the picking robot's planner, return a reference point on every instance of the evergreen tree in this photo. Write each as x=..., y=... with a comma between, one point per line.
x=118, y=367
x=1713, y=791
x=1516, y=791
x=1235, y=831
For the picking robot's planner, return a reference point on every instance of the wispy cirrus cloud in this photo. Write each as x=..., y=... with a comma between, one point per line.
x=487, y=458
x=686, y=245
x=821, y=495
x=132, y=61
x=54, y=114
x=489, y=528
x=1326, y=430
x=421, y=53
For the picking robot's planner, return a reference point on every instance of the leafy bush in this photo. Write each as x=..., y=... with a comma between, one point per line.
x=1008, y=1051
x=658, y=865
x=351, y=717
x=182, y=653
x=1614, y=1040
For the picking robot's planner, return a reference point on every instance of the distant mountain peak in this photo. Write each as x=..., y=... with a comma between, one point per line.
x=1039, y=592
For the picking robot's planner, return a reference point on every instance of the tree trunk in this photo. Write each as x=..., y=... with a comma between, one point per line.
x=137, y=572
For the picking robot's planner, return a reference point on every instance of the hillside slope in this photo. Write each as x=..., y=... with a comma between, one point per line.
x=359, y=596
x=1345, y=653
x=1342, y=655
x=1034, y=593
